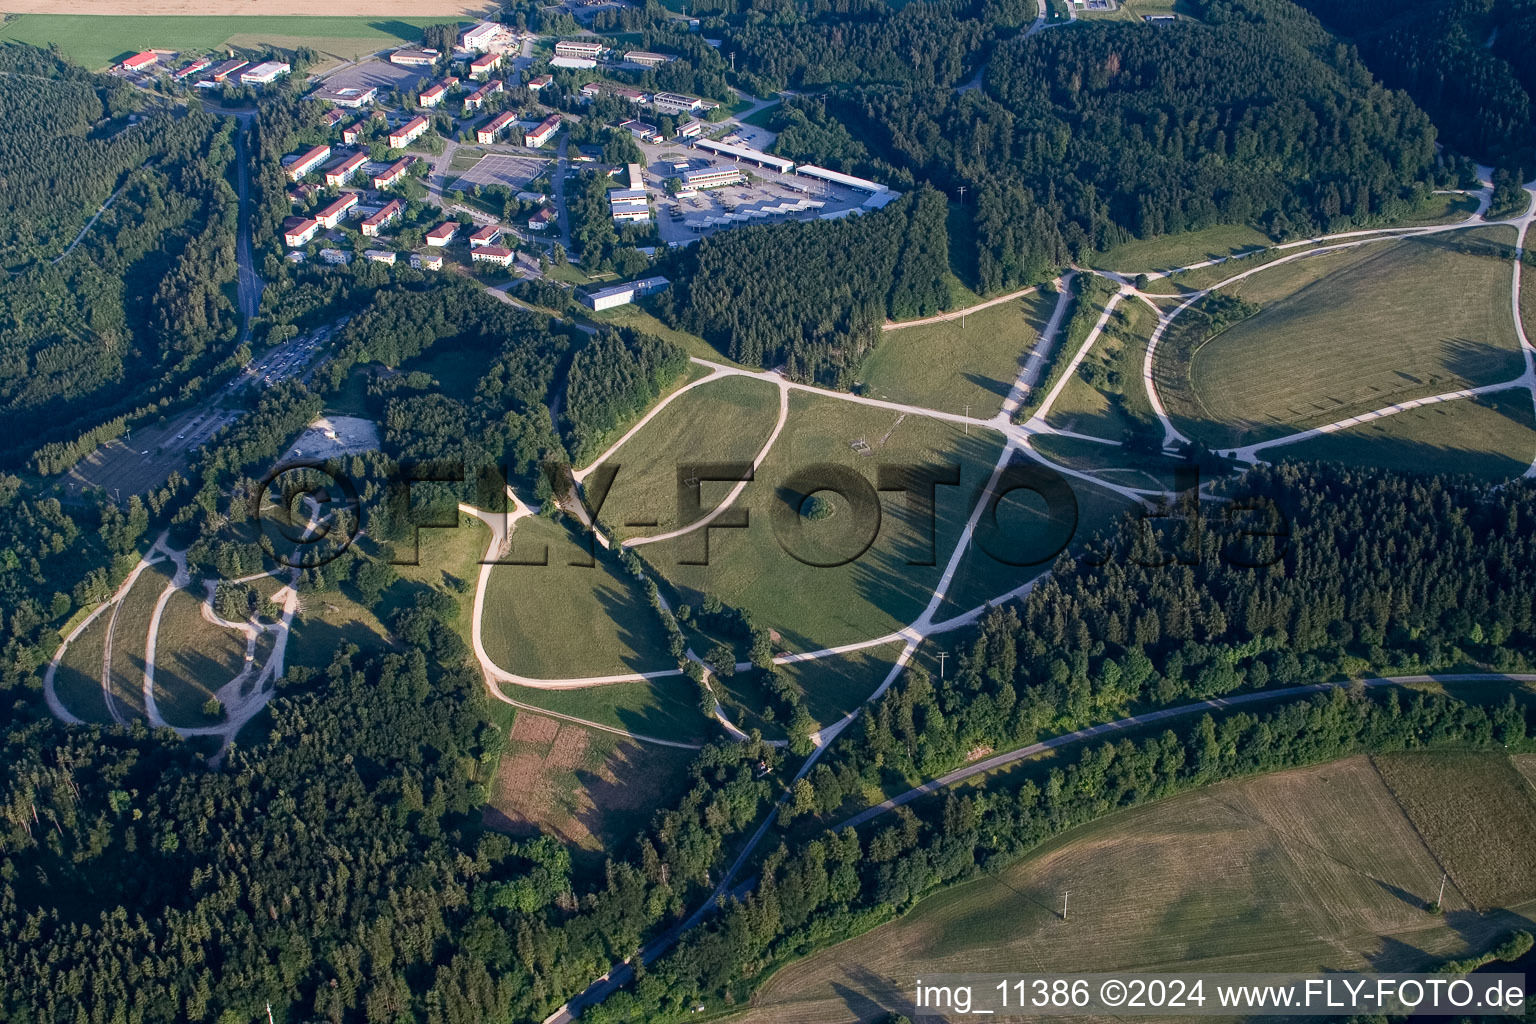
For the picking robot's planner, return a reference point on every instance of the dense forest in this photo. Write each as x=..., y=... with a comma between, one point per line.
x=765, y=295
x=130, y=318
x=614, y=379
x=1471, y=64
x=1079, y=140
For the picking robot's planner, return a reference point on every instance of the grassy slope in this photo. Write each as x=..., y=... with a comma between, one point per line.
x=193, y=658
x=722, y=421
x=1356, y=331
x=878, y=592
x=950, y=365
x=96, y=41
x=560, y=620
x=1301, y=870
x=1115, y=409
x=1492, y=437
x=128, y=641
x=77, y=681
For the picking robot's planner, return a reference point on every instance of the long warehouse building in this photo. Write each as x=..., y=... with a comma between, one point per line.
x=757, y=156
x=838, y=178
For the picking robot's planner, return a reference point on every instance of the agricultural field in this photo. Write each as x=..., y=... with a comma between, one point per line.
x=1493, y=437
x=725, y=420
x=879, y=591
x=591, y=789
x=559, y=620
x=1301, y=870
x=1477, y=813
x=116, y=29
x=1106, y=396
x=970, y=361
x=1359, y=330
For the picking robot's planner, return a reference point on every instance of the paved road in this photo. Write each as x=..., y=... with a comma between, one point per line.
x=248, y=282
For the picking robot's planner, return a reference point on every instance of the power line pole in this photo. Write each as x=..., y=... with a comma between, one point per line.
x=1065, y=893
x=942, y=655
x=1440, y=899
x=967, y=420
x=960, y=187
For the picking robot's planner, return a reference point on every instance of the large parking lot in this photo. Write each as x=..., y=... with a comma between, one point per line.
x=146, y=457
x=768, y=199
x=503, y=169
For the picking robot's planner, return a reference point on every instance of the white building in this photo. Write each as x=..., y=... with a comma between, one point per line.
x=500, y=255
x=711, y=177
x=482, y=37
x=265, y=74
x=414, y=58
x=735, y=152
x=380, y=256
x=578, y=48
x=344, y=171
x=543, y=133
x=308, y=162
x=486, y=133
x=838, y=178
x=622, y=294
x=407, y=133
x=572, y=63
x=646, y=59
x=301, y=232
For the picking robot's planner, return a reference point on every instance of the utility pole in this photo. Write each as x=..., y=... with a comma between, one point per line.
x=967, y=420
x=1065, y=893
x=942, y=655
x=961, y=187
x=1440, y=899
x=269, y=1013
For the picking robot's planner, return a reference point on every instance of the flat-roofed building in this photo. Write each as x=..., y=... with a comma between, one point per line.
x=488, y=235
x=375, y=224
x=572, y=63
x=299, y=231
x=543, y=133
x=497, y=254
x=579, y=48
x=486, y=133
x=344, y=171
x=838, y=178
x=636, y=176
x=646, y=59
x=627, y=197
x=427, y=260
x=337, y=210
x=380, y=256
x=482, y=37
x=407, y=133
x=443, y=233
x=393, y=173
x=265, y=73
x=711, y=177
x=307, y=162
x=622, y=294
x=222, y=70
x=691, y=129
x=353, y=98
x=736, y=152
x=676, y=103
x=414, y=58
